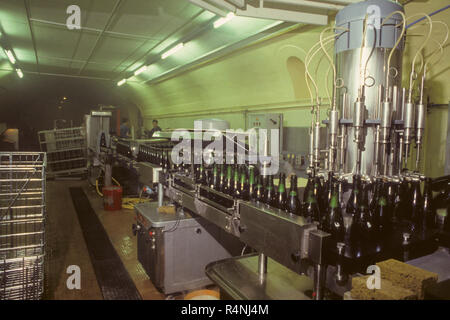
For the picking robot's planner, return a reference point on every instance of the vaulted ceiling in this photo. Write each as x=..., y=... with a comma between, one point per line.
x=115, y=38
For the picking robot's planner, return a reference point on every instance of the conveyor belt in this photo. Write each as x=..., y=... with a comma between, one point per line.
x=112, y=277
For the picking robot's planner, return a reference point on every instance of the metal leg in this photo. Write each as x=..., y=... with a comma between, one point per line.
x=319, y=280
x=262, y=267
x=160, y=194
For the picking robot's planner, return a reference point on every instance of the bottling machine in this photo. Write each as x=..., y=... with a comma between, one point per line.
x=372, y=126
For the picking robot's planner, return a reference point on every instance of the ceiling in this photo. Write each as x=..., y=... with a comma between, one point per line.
x=115, y=35
x=116, y=38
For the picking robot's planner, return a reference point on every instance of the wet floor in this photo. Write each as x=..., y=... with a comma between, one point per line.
x=66, y=245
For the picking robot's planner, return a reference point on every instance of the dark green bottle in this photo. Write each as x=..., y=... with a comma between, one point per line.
x=376, y=193
x=334, y=222
x=364, y=221
x=222, y=179
x=236, y=179
x=329, y=190
x=403, y=204
x=381, y=214
x=202, y=173
x=281, y=194
x=311, y=208
x=309, y=186
x=416, y=215
x=293, y=203
x=242, y=190
x=318, y=193
x=428, y=209
x=269, y=196
x=251, y=183
x=354, y=200
x=259, y=190
x=229, y=181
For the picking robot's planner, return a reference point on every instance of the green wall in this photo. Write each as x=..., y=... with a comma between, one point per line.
x=269, y=76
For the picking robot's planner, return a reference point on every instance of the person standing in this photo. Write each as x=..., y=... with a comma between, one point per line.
x=154, y=129
x=125, y=128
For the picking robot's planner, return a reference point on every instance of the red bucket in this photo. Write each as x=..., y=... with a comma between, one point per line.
x=112, y=198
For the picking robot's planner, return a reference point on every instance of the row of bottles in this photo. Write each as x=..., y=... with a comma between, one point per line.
x=242, y=182
x=123, y=148
x=156, y=155
x=390, y=204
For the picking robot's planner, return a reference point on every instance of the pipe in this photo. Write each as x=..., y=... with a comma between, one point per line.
x=319, y=281
x=262, y=267
x=160, y=194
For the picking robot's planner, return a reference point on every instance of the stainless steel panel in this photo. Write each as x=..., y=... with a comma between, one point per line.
x=175, y=249
x=148, y=173
x=277, y=234
x=209, y=212
x=238, y=279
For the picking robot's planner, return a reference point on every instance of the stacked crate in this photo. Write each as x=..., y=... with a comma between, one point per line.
x=22, y=225
x=66, y=151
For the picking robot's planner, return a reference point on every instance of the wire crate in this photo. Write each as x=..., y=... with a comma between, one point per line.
x=22, y=224
x=62, y=139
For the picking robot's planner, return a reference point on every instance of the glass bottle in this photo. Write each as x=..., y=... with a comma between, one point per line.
x=334, y=222
x=293, y=203
x=251, y=182
x=229, y=181
x=308, y=186
x=259, y=190
x=416, y=215
x=428, y=209
x=269, y=196
x=311, y=208
x=381, y=214
x=353, y=201
x=281, y=195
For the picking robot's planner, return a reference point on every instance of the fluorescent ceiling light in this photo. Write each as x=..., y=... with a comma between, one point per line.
x=19, y=73
x=121, y=82
x=221, y=21
x=172, y=51
x=140, y=70
x=10, y=56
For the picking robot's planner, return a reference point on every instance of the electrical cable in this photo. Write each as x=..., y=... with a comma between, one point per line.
x=431, y=14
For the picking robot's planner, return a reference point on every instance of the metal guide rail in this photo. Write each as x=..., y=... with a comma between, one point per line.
x=282, y=236
x=289, y=239
x=22, y=224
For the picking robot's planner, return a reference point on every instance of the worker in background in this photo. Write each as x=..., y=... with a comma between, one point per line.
x=154, y=129
x=125, y=128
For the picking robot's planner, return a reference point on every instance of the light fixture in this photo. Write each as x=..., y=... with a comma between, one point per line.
x=172, y=51
x=140, y=70
x=64, y=98
x=10, y=56
x=221, y=21
x=121, y=82
x=19, y=73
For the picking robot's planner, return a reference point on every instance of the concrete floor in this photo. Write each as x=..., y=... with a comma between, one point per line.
x=66, y=245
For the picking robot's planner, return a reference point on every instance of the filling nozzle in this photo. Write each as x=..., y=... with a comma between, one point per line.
x=311, y=147
x=334, y=128
x=317, y=144
x=420, y=128
x=358, y=127
x=408, y=127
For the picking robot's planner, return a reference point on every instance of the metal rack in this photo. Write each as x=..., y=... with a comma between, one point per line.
x=22, y=225
x=66, y=150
